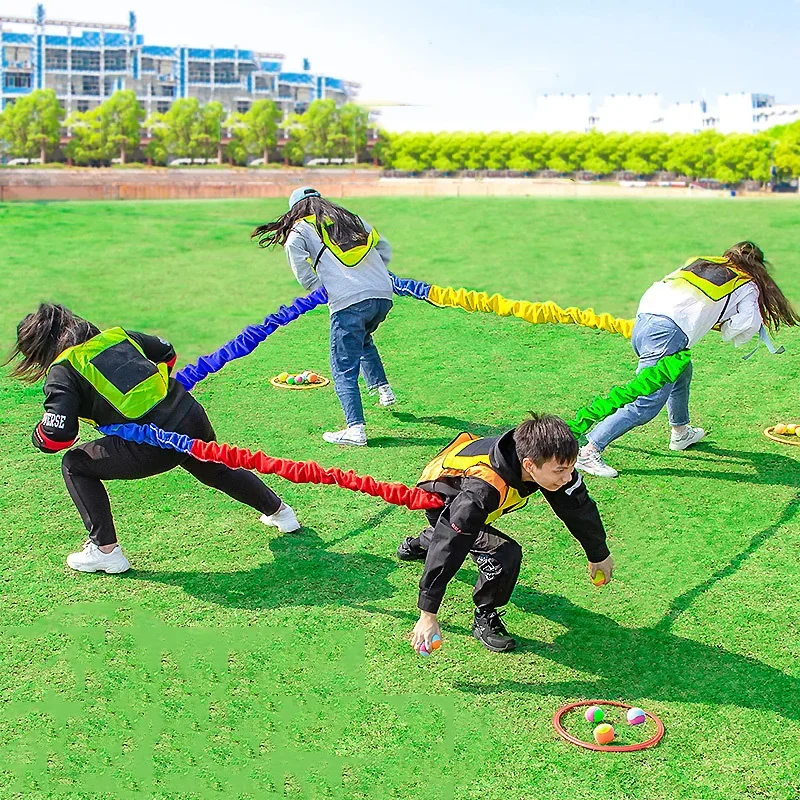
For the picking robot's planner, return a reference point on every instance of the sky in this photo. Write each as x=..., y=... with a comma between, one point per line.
x=445, y=65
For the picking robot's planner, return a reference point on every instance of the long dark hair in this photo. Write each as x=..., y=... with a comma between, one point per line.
x=43, y=336
x=344, y=227
x=775, y=308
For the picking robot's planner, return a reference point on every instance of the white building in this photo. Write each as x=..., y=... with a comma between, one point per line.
x=629, y=112
x=742, y=112
x=684, y=117
x=564, y=112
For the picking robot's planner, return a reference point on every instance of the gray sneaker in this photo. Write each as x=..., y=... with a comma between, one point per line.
x=692, y=436
x=591, y=462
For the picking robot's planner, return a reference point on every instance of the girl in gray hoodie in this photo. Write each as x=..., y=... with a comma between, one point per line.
x=328, y=246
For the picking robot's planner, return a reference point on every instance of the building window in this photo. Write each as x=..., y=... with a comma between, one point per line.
x=199, y=72
x=148, y=65
x=19, y=57
x=18, y=80
x=83, y=105
x=163, y=106
x=242, y=106
x=109, y=86
x=86, y=60
x=115, y=61
x=263, y=84
x=55, y=59
x=90, y=84
x=225, y=72
x=165, y=91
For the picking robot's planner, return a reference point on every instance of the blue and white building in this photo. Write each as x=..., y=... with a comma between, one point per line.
x=86, y=62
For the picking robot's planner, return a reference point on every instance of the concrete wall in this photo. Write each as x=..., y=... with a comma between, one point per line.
x=177, y=184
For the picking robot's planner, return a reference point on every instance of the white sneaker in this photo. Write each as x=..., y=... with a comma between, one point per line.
x=692, y=436
x=386, y=395
x=355, y=434
x=93, y=559
x=591, y=462
x=283, y=519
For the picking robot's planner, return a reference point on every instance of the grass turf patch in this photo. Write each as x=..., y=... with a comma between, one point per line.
x=233, y=659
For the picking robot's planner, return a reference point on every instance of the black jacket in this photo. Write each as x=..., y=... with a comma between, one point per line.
x=470, y=500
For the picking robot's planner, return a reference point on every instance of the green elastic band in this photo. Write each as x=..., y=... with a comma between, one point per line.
x=649, y=380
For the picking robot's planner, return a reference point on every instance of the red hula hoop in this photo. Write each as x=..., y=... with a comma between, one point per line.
x=609, y=748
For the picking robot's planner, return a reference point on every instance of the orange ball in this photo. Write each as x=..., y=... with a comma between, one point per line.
x=603, y=734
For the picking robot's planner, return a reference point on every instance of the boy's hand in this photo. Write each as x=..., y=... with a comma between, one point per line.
x=426, y=628
x=606, y=566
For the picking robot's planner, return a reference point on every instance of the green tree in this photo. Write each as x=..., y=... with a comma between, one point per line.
x=353, y=123
x=693, y=155
x=644, y=153
x=31, y=126
x=260, y=127
x=741, y=157
x=321, y=132
x=110, y=130
x=786, y=155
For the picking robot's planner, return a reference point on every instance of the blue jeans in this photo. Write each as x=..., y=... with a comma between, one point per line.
x=352, y=350
x=653, y=338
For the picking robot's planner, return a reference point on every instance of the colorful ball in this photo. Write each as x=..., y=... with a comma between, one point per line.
x=423, y=651
x=594, y=714
x=299, y=379
x=791, y=429
x=290, y=380
x=282, y=377
x=599, y=578
x=436, y=642
x=635, y=716
x=780, y=428
x=313, y=377
x=603, y=734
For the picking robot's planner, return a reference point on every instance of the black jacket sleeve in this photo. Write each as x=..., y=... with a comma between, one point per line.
x=157, y=350
x=579, y=513
x=59, y=426
x=453, y=538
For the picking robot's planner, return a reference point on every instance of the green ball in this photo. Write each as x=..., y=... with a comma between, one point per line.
x=290, y=380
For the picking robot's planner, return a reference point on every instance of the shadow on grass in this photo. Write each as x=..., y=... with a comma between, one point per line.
x=771, y=469
x=405, y=441
x=303, y=572
x=453, y=423
x=653, y=662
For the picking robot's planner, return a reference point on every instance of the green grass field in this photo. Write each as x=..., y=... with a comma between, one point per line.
x=233, y=661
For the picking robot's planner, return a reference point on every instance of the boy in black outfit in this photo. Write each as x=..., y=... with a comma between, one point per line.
x=479, y=481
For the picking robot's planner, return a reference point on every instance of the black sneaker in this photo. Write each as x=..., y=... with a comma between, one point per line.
x=489, y=630
x=411, y=550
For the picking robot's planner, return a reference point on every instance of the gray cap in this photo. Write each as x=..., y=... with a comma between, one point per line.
x=300, y=194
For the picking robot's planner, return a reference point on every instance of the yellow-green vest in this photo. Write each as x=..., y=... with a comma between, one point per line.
x=117, y=368
x=352, y=256
x=714, y=276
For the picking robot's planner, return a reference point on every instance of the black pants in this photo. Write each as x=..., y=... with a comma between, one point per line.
x=497, y=556
x=111, y=458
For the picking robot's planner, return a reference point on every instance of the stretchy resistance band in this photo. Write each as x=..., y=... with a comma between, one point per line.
x=250, y=338
x=295, y=471
x=650, y=379
x=535, y=313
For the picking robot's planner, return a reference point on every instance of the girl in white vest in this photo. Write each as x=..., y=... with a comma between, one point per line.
x=733, y=294
x=328, y=246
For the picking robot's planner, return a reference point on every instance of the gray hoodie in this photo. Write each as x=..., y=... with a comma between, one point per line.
x=346, y=286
